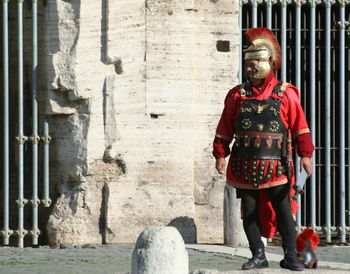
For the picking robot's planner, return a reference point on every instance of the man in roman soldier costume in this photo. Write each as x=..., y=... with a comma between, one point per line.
x=263, y=116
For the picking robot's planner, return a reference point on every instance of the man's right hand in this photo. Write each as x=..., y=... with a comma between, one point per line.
x=220, y=165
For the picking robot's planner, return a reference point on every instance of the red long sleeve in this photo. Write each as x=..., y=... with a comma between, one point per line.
x=305, y=148
x=221, y=148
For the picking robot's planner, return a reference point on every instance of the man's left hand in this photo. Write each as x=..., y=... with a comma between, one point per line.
x=306, y=163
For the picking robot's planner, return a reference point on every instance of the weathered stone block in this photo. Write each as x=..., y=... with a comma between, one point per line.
x=131, y=208
x=140, y=87
x=160, y=250
x=233, y=232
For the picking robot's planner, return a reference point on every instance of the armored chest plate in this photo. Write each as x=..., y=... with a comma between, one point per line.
x=259, y=129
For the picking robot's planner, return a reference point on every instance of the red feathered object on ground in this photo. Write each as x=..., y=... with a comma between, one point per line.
x=307, y=234
x=307, y=242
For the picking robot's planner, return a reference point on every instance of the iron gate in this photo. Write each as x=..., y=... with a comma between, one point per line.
x=315, y=44
x=20, y=114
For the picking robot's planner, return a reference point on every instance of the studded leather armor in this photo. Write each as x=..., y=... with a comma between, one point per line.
x=260, y=136
x=259, y=128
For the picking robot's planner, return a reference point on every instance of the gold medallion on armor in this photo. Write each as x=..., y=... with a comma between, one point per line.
x=259, y=108
x=246, y=123
x=274, y=126
x=260, y=127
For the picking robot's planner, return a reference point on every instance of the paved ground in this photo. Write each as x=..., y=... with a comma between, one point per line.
x=204, y=259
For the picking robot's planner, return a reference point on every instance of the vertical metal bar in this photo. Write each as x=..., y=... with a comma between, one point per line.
x=6, y=232
x=284, y=39
x=348, y=142
x=21, y=232
x=334, y=147
x=297, y=44
x=342, y=120
x=319, y=125
x=298, y=83
x=240, y=40
x=269, y=14
x=46, y=138
x=255, y=13
x=328, y=119
x=35, y=138
x=313, y=106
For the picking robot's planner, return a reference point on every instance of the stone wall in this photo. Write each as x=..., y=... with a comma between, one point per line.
x=133, y=91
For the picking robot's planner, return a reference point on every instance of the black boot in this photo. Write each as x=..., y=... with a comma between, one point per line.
x=258, y=260
x=291, y=261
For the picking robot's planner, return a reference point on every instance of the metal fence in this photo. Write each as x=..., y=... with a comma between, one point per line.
x=13, y=122
x=315, y=43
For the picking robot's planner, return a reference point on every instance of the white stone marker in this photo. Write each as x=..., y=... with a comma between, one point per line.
x=160, y=250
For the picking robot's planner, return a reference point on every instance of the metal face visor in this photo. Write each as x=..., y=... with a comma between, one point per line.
x=263, y=55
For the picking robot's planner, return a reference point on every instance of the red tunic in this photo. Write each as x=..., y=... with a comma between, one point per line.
x=293, y=118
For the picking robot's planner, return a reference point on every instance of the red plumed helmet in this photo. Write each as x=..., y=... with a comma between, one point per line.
x=263, y=44
x=310, y=235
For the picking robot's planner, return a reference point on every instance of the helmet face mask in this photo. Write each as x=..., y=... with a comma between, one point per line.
x=264, y=68
x=263, y=55
x=263, y=47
